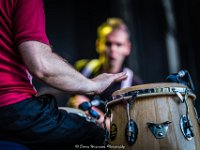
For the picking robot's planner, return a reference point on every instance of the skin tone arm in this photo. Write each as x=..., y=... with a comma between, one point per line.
x=56, y=72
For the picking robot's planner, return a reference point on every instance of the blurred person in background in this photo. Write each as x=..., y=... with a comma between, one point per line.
x=113, y=46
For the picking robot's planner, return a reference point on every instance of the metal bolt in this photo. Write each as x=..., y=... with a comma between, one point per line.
x=160, y=134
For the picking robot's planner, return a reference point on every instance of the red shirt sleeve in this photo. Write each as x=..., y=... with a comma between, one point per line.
x=29, y=21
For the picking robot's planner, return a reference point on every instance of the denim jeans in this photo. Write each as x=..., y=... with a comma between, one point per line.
x=39, y=124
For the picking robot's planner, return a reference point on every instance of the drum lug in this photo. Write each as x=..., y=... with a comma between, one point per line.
x=159, y=130
x=107, y=114
x=186, y=127
x=131, y=132
x=185, y=123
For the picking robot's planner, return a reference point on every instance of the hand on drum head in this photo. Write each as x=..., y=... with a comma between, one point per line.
x=104, y=80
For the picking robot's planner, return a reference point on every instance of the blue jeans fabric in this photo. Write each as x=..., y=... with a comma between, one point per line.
x=39, y=124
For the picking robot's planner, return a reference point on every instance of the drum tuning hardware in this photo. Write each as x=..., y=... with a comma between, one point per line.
x=131, y=130
x=179, y=96
x=159, y=130
x=186, y=127
x=106, y=135
x=185, y=123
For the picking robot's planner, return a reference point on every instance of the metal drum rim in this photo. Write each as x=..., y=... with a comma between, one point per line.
x=155, y=91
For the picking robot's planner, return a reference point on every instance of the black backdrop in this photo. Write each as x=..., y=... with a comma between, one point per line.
x=71, y=28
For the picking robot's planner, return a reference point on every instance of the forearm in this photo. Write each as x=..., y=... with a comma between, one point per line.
x=54, y=70
x=61, y=75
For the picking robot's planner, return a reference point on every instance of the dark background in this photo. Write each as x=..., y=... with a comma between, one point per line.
x=71, y=28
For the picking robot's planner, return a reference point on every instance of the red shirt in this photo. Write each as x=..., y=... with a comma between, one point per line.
x=20, y=20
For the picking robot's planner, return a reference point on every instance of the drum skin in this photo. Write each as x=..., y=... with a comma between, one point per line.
x=155, y=108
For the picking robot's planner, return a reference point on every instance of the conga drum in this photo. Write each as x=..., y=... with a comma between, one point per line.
x=154, y=116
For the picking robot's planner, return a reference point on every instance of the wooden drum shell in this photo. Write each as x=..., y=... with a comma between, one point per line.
x=155, y=108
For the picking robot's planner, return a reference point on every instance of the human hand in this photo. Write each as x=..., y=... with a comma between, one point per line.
x=103, y=81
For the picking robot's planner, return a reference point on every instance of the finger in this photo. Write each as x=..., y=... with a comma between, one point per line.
x=121, y=76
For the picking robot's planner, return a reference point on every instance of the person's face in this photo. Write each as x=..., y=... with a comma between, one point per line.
x=117, y=47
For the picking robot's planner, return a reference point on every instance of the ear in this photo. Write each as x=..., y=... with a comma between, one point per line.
x=128, y=49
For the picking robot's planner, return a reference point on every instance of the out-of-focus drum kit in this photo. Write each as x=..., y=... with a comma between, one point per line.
x=154, y=116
